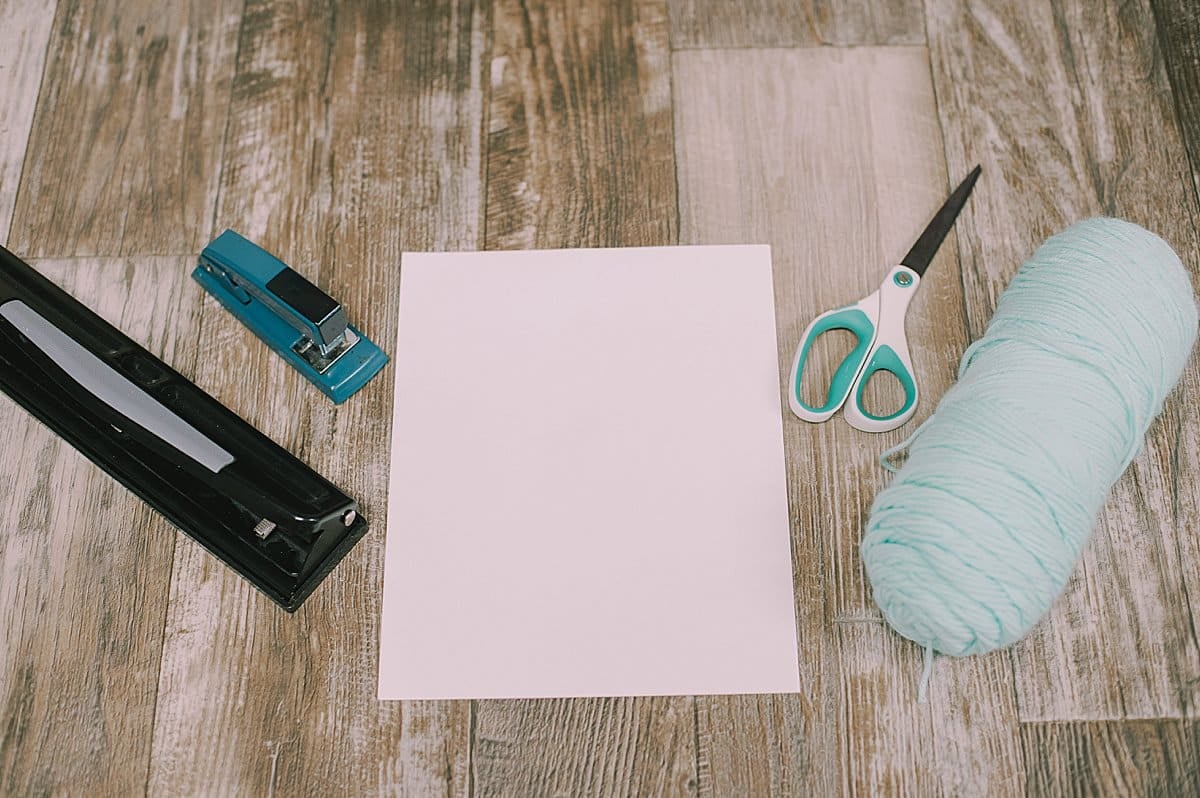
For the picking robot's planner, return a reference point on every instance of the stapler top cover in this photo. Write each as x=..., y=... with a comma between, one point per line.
x=244, y=498
x=302, y=323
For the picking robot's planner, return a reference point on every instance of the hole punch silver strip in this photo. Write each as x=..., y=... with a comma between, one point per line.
x=110, y=387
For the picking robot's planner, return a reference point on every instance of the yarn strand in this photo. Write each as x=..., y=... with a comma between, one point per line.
x=926, y=675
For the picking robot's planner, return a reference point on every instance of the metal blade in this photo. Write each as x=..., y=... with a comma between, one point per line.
x=920, y=256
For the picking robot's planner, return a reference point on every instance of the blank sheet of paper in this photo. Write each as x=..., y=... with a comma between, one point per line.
x=587, y=491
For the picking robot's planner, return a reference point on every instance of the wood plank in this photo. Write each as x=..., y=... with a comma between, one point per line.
x=579, y=141
x=85, y=568
x=780, y=23
x=24, y=32
x=1068, y=108
x=125, y=151
x=1178, y=26
x=355, y=133
x=580, y=154
x=1152, y=757
x=752, y=745
x=840, y=195
x=594, y=746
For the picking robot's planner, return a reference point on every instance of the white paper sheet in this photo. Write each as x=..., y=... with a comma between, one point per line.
x=587, y=478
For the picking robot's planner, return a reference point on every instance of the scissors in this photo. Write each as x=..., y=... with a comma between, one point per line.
x=877, y=322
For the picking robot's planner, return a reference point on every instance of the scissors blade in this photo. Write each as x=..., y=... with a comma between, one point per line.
x=921, y=255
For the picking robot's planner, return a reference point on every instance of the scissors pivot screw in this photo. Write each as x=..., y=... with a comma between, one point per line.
x=903, y=279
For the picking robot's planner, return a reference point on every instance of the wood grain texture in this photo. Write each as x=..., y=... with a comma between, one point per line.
x=1068, y=108
x=579, y=139
x=125, y=150
x=339, y=134
x=786, y=23
x=840, y=195
x=85, y=569
x=580, y=154
x=1144, y=758
x=24, y=32
x=355, y=132
x=594, y=746
x=753, y=745
x=1178, y=26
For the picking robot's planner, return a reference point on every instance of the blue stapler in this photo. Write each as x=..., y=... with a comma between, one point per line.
x=306, y=326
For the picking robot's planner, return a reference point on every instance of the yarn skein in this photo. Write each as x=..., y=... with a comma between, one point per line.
x=978, y=532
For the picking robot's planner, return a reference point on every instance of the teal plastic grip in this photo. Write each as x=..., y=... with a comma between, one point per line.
x=886, y=359
x=853, y=320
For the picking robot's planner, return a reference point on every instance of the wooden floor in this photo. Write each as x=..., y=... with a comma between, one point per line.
x=340, y=134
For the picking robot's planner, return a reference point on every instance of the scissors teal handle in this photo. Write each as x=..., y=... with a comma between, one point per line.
x=877, y=323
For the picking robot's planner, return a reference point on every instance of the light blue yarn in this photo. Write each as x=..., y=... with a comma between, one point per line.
x=980, y=529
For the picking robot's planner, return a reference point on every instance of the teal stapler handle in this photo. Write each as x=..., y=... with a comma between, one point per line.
x=302, y=323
